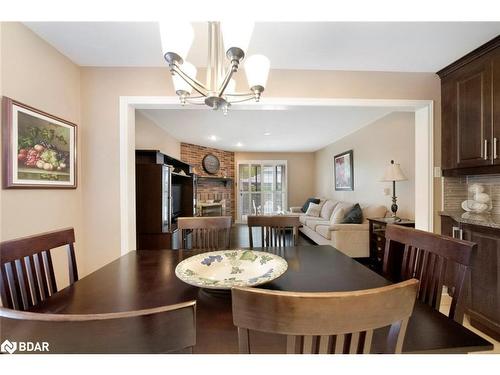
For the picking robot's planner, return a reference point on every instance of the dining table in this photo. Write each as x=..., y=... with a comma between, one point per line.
x=146, y=278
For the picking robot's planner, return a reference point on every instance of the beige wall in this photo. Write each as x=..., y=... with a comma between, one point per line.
x=36, y=74
x=391, y=137
x=149, y=136
x=300, y=172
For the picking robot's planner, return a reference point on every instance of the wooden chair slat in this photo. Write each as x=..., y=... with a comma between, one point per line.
x=5, y=295
x=353, y=346
x=33, y=279
x=339, y=344
x=13, y=285
x=244, y=340
x=307, y=347
x=432, y=256
x=49, y=271
x=42, y=277
x=367, y=345
x=291, y=342
x=22, y=279
x=324, y=344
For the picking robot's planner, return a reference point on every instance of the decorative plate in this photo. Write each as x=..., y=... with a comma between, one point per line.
x=227, y=268
x=211, y=163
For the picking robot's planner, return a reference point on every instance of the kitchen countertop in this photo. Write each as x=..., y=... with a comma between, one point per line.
x=485, y=220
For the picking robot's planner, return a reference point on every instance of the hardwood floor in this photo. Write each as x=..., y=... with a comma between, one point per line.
x=239, y=237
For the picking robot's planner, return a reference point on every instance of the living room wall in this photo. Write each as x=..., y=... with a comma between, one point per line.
x=374, y=146
x=149, y=136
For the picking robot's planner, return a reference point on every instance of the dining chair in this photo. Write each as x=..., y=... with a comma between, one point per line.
x=274, y=230
x=27, y=274
x=162, y=329
x=205, y=233
x=326, y=322
x=426, y=257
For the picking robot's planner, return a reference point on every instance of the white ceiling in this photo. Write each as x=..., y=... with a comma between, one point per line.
x=297, y=129
x=368, y=46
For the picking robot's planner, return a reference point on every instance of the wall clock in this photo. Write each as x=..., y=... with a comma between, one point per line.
x=211, y=164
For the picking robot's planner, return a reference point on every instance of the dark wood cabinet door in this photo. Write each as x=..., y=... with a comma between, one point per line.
x=496, y=105
x=484, y=298
x=473, y=86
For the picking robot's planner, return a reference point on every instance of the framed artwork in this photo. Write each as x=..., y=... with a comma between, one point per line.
x=343, y=171
x=39, y=150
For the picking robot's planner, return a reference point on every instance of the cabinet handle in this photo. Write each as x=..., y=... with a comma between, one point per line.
x=495, y=156
x=485, y=149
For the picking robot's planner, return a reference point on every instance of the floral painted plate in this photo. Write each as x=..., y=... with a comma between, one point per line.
x=227, y=268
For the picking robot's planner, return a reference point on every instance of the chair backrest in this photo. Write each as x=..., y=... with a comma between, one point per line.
x=207, y=233
x=26, y=270
x=336, y=322
x=273, y=230
x=426, y=257
x=156, y=330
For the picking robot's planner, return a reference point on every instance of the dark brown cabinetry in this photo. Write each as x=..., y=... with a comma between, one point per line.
x=165, y=189
x=483, y=301
x=470, y=120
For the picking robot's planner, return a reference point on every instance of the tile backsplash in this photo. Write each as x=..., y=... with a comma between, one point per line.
x=455, y=191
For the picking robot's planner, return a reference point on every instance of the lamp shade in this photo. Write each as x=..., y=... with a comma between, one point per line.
x=179, y=83
x=257, y=70
x=176, y=37
x=393, y=172
x=237, y=34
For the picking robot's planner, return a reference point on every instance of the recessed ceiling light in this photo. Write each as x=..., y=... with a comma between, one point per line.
x=267, y=133
x=213, y=138
x=239, y=144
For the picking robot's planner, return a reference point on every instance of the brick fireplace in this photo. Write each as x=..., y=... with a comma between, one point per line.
x=213, y=190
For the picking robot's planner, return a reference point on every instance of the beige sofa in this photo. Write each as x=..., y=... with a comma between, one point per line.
x=326, y=229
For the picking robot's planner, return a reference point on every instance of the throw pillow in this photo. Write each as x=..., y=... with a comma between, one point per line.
x=310, y=200
x=327, y=209
x=337, y=216
x=313, y=210
x=354, y=216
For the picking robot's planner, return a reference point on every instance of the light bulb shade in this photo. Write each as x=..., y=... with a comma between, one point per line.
x=393, y=172
x=176, y=37
x=237, y=34
x=257, y=70
x=179, y=84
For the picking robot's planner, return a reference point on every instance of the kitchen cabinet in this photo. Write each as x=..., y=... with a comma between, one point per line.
x=470, y=118
x=483, y=284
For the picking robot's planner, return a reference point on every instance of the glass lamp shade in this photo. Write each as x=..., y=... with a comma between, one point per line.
x=257, y=70
x=176, y=37
x=393, y=173
x=179, y=83
x=237, y=34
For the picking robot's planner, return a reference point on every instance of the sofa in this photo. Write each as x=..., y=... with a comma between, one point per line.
x=328, y=229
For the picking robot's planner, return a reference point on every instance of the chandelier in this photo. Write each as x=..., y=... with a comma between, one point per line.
x=219, y=90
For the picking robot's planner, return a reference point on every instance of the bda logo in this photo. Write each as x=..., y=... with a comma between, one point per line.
x=8, y=347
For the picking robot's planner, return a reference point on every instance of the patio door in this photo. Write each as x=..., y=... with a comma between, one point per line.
x=262, y=188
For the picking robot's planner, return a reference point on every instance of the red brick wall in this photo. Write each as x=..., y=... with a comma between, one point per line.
x=206, y=189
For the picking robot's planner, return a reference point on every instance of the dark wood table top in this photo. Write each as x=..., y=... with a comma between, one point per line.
x=146, y=278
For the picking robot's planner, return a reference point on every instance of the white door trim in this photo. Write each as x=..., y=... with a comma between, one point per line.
x=424, y=124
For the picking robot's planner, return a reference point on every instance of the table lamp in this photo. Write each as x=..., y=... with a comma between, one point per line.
x=392, y=174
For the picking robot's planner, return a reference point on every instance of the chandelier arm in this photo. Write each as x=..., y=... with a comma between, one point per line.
x=241, y=94
x=241, y=100
x=228, y=77
x=202, y=90
x=191, y=101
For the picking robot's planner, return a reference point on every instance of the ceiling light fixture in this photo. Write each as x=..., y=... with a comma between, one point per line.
x=219, y=90
x=267, y=133
x=213, y=138
x=239, y=144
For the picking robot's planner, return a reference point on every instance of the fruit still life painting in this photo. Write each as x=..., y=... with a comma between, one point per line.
x=42, y=149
